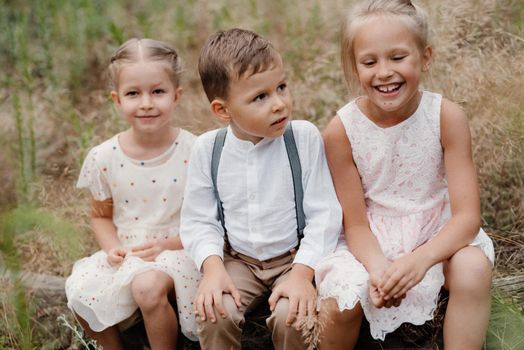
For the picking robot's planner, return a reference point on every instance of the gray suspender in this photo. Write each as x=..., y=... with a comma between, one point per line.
x=296, y=171
x=215, y=160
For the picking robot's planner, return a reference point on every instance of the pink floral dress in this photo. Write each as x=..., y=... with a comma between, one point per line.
x=147, y=198
x=406, y=194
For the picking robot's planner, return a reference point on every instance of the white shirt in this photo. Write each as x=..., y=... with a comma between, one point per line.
x=256, y=188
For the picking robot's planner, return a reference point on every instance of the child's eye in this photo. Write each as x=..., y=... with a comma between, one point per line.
x=368, y=63
x=259, y=97
x=282, y=87
x=398, y=58
x=159, y=91
x=131, y=93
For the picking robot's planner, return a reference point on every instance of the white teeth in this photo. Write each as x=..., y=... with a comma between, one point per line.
x=388, y=88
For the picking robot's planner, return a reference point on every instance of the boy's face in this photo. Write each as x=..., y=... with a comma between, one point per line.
x=258, y=105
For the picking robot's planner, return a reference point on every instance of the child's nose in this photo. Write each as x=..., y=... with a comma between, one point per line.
x=384, y=70
x=278, y=103
x=146, y=102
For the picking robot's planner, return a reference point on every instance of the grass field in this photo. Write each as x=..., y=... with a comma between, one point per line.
x=55, y=106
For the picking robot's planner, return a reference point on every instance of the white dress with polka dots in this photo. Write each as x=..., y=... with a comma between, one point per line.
x=147, y=198
x=406, y=193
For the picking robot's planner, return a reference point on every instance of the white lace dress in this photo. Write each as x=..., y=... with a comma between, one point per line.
x=147, y=198
x=406, y=194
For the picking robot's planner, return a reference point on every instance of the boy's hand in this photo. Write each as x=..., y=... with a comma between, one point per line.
x=298, y=288
x=115, y=256
x=402, y=275
x=148, y=250
x=215, y=282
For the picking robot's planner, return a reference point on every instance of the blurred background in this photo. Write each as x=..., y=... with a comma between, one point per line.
x=54, y=106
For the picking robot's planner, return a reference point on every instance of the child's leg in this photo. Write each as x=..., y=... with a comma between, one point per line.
x=151, y=291
x=340, y=328
x=109, y=338
x=226, y=332
x=284, y=337
x=468, y=278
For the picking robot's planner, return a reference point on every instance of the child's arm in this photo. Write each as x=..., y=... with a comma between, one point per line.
x=200, y=230
x=202, y=233
x=323, y=224
x=105, y=231
x=361, y=241
x=464, y=197
x=150, y=249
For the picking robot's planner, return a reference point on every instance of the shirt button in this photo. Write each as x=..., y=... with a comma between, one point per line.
x=252, y=197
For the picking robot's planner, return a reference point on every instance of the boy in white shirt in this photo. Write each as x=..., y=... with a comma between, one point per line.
x=252, y=243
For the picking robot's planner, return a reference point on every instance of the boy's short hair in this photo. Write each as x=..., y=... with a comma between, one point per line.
x=228, y=55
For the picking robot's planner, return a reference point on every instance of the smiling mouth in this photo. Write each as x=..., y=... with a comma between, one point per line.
x=279, y=121
x=388, y=88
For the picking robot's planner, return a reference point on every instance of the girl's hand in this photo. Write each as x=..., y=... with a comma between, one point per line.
x=115, y=256
x=375, y=293
x=402, y=275
x=149, y=250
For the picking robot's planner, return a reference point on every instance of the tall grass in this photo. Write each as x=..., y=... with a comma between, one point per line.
x=506, y=324
x=55, y=106
x=16, y=226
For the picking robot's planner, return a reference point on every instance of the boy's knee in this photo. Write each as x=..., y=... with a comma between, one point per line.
x=279, y=315
x=284, y=336
x=232, y=320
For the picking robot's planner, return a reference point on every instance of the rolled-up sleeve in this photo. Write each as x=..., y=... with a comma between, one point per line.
x=200, y=230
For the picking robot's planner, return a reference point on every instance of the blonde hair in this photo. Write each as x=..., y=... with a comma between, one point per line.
x=135, y=50
x=413, y=15
x=230, y=54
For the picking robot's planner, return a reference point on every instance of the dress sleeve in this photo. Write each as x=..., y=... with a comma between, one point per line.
x=92, y=177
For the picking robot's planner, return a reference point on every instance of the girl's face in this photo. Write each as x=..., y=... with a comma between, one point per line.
x=146, y=96
x=389, y=64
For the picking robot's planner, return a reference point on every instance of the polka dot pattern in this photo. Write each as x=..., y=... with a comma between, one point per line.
x=147, y=197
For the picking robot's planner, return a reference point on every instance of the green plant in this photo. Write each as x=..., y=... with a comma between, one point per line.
x=78, y=334
x=13, y=224
x=506, y=324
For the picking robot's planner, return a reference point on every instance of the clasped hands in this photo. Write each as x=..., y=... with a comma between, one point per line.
x=389, y=282
x=147, y=251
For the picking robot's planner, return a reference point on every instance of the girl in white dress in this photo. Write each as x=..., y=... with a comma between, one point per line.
x=403, y=171
x=137, y=180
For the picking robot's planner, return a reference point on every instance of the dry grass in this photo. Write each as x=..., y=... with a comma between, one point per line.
x=52, y=58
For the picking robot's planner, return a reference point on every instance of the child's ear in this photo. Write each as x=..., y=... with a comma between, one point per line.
x=115, y=98
x=427, y=57
x=219, y=109
x=178, y=93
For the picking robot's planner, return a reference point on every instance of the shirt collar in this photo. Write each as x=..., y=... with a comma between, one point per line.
x=244, y=144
